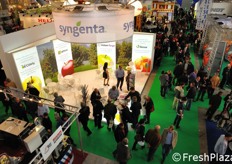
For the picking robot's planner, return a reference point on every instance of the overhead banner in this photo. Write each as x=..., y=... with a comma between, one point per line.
x=64, y=59
x=94, y=26
x=29, y=69
x=143, y=51
x=106, y=52
x=203, y=9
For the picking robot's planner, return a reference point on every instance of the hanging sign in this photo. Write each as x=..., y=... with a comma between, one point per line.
x=94, y=26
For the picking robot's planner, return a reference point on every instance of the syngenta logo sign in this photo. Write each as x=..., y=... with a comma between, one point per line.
x=138, y=46
x=128, y=26
x=77, y=30
x=28, y=65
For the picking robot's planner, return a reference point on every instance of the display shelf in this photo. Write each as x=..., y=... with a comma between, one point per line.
x=162, y=6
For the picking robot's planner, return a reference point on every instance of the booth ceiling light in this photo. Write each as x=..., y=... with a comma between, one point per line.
x=94, y=23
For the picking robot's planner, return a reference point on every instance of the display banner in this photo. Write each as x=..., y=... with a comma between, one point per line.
x=94, y=26
x=203, y=9
x=143, y=51
x=106, y=52
x=47, y=148
x=64, y=59
x=33, y=20
x=221, y=8
x=29, y=69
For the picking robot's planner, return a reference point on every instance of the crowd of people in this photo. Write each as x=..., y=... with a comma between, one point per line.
x=188, y=83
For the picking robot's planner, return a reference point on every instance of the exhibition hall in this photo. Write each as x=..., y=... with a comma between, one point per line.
x=115, y=81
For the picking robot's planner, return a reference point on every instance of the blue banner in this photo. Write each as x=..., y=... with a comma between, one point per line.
x=179, y=2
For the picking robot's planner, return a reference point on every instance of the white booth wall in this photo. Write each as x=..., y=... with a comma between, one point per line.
x=28, y=37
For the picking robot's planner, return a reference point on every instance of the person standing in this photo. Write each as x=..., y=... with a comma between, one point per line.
x=149, y=107
x=226, y=76
x=109, y=114
x=123, y=153
x=179, y=112
x=152, y=138
x=106, y=75
x=41, y=109
x=179, y=92
x=214, y=103
x=113, y=93
x=222, y=144
x=190, y=95
x=120, y=133
x=97, y=113
x=120, y=76
x=59, y=103
x=133, y=93
x=84, y=118
x=47, y=123
x=203, y=88
x=163, y=83
x=9, y=83
x=94, y=95
x=130, y=80
x=126, y=115
x=20, y=110
x=135, y=108
x=140, y=133
x=215, y=81
x=168, y=140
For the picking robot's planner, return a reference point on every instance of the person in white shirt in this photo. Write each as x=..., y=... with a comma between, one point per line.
x=222, y=144
x=42, y=109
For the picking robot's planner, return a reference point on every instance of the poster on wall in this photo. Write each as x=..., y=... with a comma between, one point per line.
x=143, y=51
x=47, y=60
x=106, y=52
x=29, y=69
x=64, y=59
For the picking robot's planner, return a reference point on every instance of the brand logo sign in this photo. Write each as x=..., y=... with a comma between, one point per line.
x=94, y=27
x=28, y=65
x=217, y=10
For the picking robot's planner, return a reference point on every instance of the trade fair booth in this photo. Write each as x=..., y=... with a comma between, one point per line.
x=68, y=54
x=217, y=42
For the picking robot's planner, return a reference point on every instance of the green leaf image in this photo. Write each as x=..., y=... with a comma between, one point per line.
x=78, y=23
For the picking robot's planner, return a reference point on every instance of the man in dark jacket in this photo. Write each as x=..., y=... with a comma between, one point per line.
x=178, y=72
x=97, y=112
x=140, y=132
x=123, y=152
x=135, y=108
x=214, y=103
x=84, y=117
x=190, y=95
x=132, y=93
x=153, y=138
x=109, y=113
x=59, y=103
x=226, y=76
x=149, y=107
x=47, y=123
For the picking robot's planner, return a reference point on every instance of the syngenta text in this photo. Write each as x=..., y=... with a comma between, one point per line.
x=78, y=29
x=128, y=26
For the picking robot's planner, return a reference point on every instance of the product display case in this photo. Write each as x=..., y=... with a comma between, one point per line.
x=160, y=9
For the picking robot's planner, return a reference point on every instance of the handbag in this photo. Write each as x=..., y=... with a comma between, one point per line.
x=152, y=108
x=141, y=143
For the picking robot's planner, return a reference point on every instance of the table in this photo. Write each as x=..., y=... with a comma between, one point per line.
x=13, y=126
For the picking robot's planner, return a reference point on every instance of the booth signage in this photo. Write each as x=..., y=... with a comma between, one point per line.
x=202, y=11
x=221, y=8
x=47, y=148
x=34, y=20
x=94, y=26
